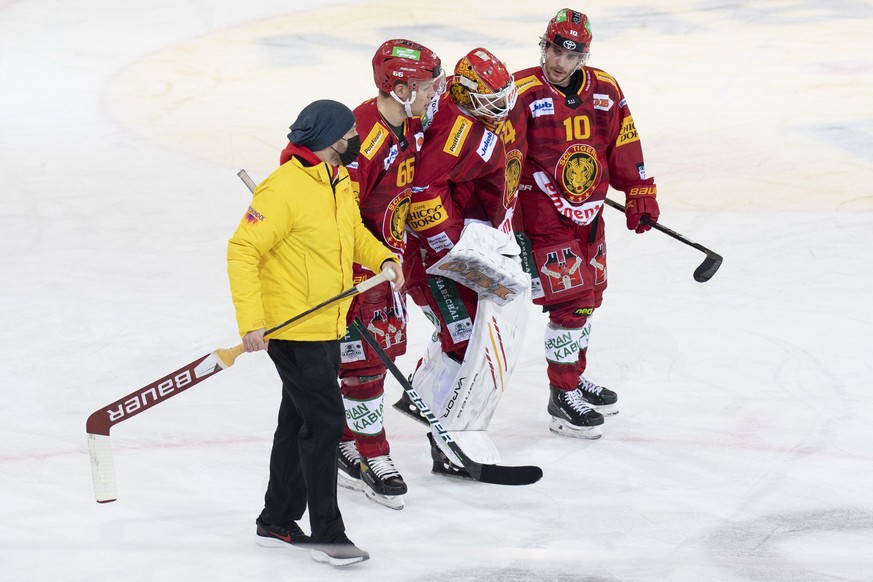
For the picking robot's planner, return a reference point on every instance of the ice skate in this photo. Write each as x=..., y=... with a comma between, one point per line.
x=601, y=399
x=442, y=465
x=348, y=466
x=571, y=415
x=382, y=482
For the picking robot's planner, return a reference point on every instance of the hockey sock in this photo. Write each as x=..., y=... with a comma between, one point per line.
x=364, y=403
x=565, y=349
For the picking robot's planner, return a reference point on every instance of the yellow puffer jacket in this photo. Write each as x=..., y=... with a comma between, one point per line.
x=294, y=248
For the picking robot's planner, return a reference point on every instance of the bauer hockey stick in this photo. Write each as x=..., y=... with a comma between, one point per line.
x=496, y=474
x=101, y=421
x=710, y=264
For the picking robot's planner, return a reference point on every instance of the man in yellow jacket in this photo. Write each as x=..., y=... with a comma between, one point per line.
x=293, y=249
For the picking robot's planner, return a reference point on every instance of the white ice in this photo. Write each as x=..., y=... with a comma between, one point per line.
x=744, y=445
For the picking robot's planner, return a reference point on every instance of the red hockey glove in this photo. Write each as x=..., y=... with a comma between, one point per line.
x=641, y=202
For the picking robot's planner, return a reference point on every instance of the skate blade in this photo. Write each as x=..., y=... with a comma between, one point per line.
x=346, y=482
x=390, y=501
x=564, y=428
x=606, y=409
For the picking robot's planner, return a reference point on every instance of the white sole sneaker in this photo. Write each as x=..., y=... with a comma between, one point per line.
x=321, y=556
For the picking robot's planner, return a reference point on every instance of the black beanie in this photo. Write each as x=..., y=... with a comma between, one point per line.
x=321, y=124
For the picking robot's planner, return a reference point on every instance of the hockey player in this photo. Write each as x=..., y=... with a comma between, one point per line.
x=461, y=178
x=408, y=76
x=580, y=139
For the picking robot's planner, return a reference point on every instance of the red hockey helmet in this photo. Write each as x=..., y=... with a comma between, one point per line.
x=400, y=61
x=569, y=30
x=483, y=86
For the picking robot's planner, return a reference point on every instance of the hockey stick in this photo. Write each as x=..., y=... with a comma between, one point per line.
x=497, y=474
x=710, y=264
x=101, y=421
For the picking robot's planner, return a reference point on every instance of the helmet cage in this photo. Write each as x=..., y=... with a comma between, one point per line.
x=483, y=86
x=491, y=107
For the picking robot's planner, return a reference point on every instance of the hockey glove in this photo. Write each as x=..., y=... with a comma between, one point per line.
x=641, y=203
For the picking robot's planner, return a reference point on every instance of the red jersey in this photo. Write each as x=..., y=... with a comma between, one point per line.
x=382, y=174
x=461, y=175
x=576, y=145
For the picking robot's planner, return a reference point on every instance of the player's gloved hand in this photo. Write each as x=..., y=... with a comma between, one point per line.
x=641, y=203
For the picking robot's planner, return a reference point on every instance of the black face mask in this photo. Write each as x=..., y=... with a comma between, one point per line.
x=353, y=148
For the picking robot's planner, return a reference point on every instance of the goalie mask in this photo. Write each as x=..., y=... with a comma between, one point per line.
x=403, y=61
x=482, y=85
x=570, y=31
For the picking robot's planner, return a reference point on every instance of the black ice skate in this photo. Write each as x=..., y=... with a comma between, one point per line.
x=442, y=465
x=348, y=466
x=408, y=407
x=274, y=536
x=571, y=415
x=601, y=399
x=382, y=482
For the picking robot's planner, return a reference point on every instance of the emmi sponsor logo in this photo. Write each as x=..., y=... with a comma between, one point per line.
x=458, y=135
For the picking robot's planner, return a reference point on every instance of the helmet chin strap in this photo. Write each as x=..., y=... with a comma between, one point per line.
x=407, y=105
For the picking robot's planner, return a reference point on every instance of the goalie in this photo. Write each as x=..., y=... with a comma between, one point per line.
x=462, y=262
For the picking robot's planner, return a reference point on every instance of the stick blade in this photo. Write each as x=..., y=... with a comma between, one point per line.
x=506, y=475
x=102, y=468
x=708, y=267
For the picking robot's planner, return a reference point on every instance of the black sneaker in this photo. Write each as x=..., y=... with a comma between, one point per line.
x=338, y=552
x=571, y=415
x=348, y=465
x=275, y=536
x=408, y=407
x=442, y=465
x=602, y=399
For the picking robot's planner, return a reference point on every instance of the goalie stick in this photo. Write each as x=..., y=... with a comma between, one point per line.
x=710, y=264
x=101, y=421
x=486, y=473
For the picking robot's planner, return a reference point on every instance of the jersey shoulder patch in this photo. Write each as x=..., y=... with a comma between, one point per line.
x=374, y=140
x=458, y=135
x=525, y=83
x=605, y=78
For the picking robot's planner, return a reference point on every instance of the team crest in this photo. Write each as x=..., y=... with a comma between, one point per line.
x=579, y=172
x=394, y=225
x=513, y=176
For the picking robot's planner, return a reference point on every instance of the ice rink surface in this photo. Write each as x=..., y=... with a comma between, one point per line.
x=744, y=445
